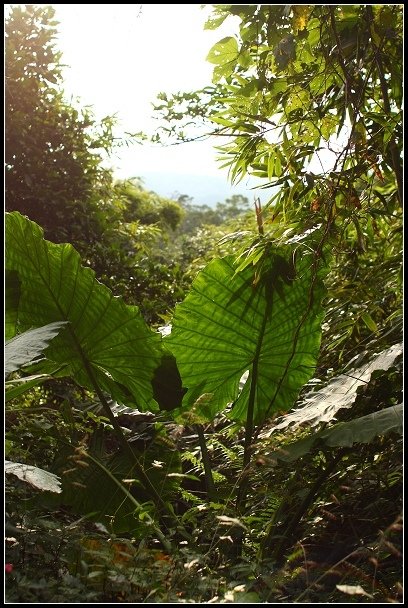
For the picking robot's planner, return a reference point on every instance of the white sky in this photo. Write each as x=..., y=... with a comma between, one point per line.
x=118, y=57
x=122, y=55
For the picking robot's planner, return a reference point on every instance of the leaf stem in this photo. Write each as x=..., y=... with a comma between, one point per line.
x=294, y=520
x=166, y=543
x=209, y=480
x=149, y=487
x=249, y=426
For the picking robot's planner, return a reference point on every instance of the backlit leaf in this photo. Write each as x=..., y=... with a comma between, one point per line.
x=369, y=321
x=104, y=341
x=224, y=51
x=226, y=326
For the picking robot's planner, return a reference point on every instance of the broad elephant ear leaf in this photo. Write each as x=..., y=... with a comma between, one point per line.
x=345, y=434
x=105, y=342
x=38, y=478
x=227, y=325
x=340, y=392
x=28, y=346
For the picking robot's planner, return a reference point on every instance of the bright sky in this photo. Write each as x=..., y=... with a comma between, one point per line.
x=118, y=57
x=121, y=55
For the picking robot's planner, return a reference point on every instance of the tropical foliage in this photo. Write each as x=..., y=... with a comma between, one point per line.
x=53, y=149
x=251, y=450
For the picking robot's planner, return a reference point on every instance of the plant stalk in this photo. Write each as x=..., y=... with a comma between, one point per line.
x=209, y=480
x=249, y=426
x=149, y=487
x=295, y=519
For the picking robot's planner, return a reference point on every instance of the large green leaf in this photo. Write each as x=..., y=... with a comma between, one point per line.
x=341, y=392
x=345, y=434
x=227, y=326
x=105, y=342
x=38, y=478
x=26, y=347
x=364, y=429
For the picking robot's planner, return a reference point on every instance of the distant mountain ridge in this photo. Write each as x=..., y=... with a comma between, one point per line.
x=203, y=189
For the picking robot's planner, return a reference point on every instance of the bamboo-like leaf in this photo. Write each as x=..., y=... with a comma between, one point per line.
x=105, y=341
x=369, y=321
x=227, y=326
x=26, y=347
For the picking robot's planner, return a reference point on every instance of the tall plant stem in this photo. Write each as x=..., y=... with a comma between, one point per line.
x=249, y=426
x=209, y=481
x=394, y=154
x=149, y=487
x=278, y=551
x=164, y=541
